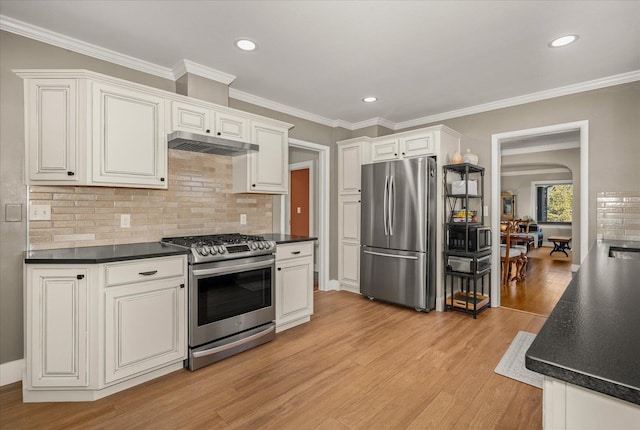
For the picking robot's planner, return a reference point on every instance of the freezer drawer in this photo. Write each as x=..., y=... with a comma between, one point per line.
x=396, y=276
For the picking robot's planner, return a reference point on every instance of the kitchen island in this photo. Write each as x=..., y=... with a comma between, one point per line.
x=589, y=348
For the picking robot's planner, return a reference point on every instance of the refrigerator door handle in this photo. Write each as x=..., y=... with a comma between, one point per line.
x=391, y=205
x=405, y=257
x=385, y=203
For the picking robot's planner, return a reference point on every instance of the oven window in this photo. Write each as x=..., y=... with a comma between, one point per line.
x=224, y=296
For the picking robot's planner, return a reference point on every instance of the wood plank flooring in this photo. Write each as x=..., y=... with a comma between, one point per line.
x=547, y=278
x=358, y=364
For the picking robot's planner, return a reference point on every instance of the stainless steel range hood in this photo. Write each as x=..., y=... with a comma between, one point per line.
x=186, y=141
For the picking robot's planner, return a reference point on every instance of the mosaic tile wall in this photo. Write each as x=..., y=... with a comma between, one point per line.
x=199, y=201
x=618, y=215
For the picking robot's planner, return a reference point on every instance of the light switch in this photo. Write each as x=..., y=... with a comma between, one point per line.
x=243, y=219
x=13, y=212
x=39, y=212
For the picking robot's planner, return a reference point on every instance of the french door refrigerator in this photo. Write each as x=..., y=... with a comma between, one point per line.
x=398, y=229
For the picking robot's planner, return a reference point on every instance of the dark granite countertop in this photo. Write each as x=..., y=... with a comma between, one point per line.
x=592, y=336
x=287, y=238
x=102, y=254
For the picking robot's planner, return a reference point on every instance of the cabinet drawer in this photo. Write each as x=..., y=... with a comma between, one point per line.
x=294, y=250
x=143, y=270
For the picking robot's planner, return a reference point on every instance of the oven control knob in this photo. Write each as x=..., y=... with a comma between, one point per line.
x=219, y=249
x=203, y=251
x=212, y=250
x=260, y=245
x=253, y=246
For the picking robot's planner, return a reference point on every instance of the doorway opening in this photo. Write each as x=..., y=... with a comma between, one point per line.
x=579, y=232
x=319, y=175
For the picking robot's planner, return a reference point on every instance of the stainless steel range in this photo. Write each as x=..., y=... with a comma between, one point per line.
x=231, y=294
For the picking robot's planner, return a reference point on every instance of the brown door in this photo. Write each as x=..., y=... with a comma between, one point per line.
x=299, y=193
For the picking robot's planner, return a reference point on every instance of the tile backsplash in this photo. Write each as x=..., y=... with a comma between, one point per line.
x=199, y=201
x=618, y=215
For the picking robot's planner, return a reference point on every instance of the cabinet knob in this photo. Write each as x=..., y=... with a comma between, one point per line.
x=358, y=190
x=181, y=285
x=403, y=153
x=359, y=201
x=70, y=173
x=279, y=268
x=207, y=131
x=253, y=185
x=161, y=179
x=395, y=155
x=79, y=276
x=219, y=133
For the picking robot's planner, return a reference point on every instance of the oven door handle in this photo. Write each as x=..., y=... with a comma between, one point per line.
x=239, y=342
x=234, y=269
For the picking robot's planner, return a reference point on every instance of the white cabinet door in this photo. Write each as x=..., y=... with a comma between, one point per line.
x=129, y=138
x=51, y=118
x=349, y=218
x=56, y=332
x=295, y=289
x=349, y=161
x=144, y=327
x=265, y=171
x=294, y=284
x=417, y=145
x=191, y=118
x=349, y=266
x=232, y=127
x=384, y=150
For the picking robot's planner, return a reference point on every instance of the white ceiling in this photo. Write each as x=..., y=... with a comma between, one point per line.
x=420, y=58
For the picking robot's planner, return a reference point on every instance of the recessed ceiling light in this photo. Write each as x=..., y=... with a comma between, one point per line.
x=370, y=99
x=563, y=41
x=246, y=44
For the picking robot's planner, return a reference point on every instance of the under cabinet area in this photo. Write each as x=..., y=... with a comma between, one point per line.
x=95, y=329
x=294, y=284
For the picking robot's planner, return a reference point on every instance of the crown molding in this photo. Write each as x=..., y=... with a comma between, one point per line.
x=187, y=66
x=595, y=84
x=43, y=35
x=279, y=107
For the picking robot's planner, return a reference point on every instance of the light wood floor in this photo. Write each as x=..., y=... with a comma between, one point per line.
x=357, y=365
x=547, y=278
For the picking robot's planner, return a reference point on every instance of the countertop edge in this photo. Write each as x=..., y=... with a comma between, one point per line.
x=613, y=389
x=125, y=252
x=281, y=238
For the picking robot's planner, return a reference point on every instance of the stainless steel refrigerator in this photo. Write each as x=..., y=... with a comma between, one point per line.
x=398, y=232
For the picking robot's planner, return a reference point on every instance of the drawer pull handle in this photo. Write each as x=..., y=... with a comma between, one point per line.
x=295, y=252
x=149, y=273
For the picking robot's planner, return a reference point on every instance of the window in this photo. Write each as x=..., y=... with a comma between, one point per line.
x=554, y=202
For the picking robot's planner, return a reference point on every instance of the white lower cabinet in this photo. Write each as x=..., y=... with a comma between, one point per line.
x=294, y=284
x=85, y=340
x=56, y=327
x=144, y=327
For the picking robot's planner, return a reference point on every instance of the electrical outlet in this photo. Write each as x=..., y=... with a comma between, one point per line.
x=40, y=212
x=486, y=210
x=243, y=219
x=125, y=220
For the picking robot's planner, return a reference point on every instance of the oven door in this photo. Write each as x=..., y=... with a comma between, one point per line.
x=229, y=297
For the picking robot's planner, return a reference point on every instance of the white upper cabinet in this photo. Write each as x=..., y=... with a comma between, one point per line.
x=384, y=150
x=414, y=146
x=52, y=130
x=349, y=161
x=129, y=138
x=264, y=171
x=203, y=120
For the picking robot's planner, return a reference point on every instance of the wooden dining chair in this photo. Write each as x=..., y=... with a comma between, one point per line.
x=513, y=261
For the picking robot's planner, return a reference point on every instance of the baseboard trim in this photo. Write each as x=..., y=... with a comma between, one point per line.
x=11, y=372
x=333, y=285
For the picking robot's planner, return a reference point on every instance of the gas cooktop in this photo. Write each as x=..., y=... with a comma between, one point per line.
x=218, y=247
